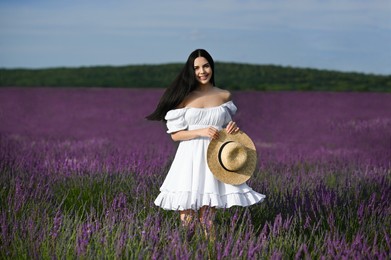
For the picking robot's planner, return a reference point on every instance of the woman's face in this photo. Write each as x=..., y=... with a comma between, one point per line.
x=203, y=70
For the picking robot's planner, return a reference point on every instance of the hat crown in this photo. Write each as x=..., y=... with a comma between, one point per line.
x=233, y=156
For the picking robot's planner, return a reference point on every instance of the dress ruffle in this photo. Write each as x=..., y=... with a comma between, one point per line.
x=176, y=117
x=231, y=107
x=192, y=200
x=176, y=120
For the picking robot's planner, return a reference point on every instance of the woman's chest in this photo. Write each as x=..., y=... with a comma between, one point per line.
x=206, y=116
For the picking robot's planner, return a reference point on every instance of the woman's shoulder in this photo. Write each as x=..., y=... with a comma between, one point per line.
x=215, y=96
x=188, y=99
x=224, y=94
x=175, y=113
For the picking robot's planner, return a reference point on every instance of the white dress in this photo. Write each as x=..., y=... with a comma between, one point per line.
x=189, y=183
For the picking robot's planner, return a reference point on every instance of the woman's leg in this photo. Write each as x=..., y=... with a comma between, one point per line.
x=206, y=217
x=187, y=216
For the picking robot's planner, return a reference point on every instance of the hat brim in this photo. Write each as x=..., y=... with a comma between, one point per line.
x=223, y=175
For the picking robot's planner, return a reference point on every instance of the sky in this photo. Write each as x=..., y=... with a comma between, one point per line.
x=342, y=35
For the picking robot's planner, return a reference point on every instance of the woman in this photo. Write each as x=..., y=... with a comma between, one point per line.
x=195, y=110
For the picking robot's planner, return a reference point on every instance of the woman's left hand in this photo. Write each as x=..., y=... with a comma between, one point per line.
x=232, y=128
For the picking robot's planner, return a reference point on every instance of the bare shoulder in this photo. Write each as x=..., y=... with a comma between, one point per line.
x=190, y=99
x=184, y=102
x=224, y=94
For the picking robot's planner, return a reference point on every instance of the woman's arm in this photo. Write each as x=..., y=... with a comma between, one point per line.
x=183, y=135
x=210, y=132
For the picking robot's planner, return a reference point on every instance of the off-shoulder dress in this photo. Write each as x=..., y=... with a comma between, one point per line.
x=189, y=183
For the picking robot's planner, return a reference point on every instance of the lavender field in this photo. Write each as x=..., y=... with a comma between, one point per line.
x=80, y=169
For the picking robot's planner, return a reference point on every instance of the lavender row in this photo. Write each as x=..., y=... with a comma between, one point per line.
x=80, y=169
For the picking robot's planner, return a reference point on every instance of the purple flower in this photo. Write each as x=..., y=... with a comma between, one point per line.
x=324, y=163
x=57, y=222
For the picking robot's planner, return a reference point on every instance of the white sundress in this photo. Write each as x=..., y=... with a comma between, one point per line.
x=189, y=183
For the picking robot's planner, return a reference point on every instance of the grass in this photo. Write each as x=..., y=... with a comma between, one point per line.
x=100, y=216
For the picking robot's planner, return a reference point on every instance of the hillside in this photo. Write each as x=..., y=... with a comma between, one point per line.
x=234, y=76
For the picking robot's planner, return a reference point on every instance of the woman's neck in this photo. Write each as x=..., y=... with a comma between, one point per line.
x=204, y=87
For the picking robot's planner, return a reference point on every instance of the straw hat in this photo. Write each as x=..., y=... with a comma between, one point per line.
x=232, y=158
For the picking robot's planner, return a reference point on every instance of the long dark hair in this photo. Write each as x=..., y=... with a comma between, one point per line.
x=183, y=84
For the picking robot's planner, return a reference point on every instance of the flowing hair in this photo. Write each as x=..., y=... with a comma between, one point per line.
x=183, y=84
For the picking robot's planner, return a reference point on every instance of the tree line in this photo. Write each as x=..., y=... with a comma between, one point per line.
x=233, y=76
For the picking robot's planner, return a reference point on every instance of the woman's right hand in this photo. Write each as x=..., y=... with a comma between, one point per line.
x=210, y=132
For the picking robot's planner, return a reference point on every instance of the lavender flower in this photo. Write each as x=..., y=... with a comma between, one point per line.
x=324, y=163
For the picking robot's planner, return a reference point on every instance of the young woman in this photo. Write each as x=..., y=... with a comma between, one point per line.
x=195, y=110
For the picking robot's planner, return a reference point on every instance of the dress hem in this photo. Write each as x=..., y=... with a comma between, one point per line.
x=191, y=200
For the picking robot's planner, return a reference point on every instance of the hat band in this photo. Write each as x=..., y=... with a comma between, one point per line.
x=220, y=151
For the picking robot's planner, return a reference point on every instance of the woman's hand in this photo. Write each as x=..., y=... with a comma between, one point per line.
x=210, y=132
x=232, y=128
